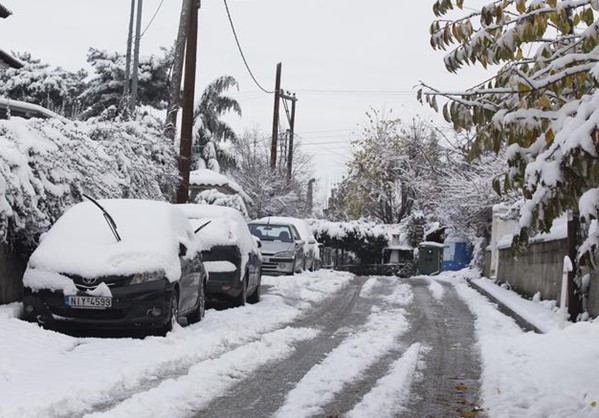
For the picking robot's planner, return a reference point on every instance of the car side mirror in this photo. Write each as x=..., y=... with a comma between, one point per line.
x=299, y=242
x=182, y=250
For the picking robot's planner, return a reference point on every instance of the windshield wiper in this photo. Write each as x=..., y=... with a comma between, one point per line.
x=107, y=217
x=201, y=227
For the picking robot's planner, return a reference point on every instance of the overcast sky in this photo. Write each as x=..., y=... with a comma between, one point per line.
x=340, y=56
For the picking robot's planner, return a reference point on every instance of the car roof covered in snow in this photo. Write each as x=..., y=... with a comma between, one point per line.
x=227, y=226
x=81, y=241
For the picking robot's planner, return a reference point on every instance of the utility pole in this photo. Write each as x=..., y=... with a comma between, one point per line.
x=174, y=97
x=134, y=82
x=188, y=101
x=293, y=99
x=310, y=195
x=275, y=120
x=128, y=59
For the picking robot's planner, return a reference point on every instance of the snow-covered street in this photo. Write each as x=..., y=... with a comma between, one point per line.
x=318, y=344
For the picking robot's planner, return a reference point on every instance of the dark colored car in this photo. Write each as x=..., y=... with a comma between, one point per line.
x=282, y=248
x=231, y=255
x=117, y=264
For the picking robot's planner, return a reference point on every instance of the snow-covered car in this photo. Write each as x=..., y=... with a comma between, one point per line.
x=231, y=255
x=311, y=258
x=282, y=248
x=116, y=264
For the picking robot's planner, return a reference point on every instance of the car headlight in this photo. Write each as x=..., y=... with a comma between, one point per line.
x=146, y=277
x=284, y=254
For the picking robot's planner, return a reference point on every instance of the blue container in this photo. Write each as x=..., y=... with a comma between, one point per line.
x=457, y=254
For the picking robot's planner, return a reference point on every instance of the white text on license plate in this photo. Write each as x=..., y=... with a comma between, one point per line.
x=88, y=302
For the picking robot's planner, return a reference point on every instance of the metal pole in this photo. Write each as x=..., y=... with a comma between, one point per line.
x=291, y=134
x=275, y=120
x=574, y=299
x=134, y=82
x=188, y=102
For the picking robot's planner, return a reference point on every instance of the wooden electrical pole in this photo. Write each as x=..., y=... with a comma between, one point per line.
x=293, y=99
x=275, y=120
x=188, y=101
x=174, y=97
x=134, y=81
x=127, y=87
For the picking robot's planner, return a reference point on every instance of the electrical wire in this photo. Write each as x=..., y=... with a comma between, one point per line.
x=241, y=51
x=152, y=19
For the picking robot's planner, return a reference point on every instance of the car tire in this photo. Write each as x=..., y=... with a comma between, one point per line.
x=173, y=317
x=255, y=296
x=243, y=295
x=200, y=311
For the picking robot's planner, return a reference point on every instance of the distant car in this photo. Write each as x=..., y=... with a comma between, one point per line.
x=116, y=264
x=231, y=254
x=282, y=248
x=311, y=259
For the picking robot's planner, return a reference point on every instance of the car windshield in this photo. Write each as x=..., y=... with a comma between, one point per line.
x=271, y=232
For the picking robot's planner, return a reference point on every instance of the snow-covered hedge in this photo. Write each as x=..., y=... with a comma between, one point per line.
x=365, y=239
x=45, y=166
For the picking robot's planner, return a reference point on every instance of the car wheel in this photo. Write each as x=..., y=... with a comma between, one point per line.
x=242, y=298
x=173, y=314
x=255, y=296
x=200, y=311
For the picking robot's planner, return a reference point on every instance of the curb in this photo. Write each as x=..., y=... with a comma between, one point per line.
x=522, y=323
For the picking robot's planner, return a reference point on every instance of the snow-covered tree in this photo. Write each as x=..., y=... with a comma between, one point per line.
x=542, y=101
x=271, y=192
x=210, y=131
x=46, y=165
x=53, y=88
x=388, y=170
x=105, y=88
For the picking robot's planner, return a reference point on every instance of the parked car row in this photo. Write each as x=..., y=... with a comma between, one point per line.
x=123, y=263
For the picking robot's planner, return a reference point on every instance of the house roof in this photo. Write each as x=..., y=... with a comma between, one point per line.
x=10, y=60
x=4, y=12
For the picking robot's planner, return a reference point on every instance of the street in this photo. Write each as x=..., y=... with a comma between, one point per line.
x=318, y=344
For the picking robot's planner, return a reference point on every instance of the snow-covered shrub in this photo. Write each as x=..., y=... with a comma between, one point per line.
x=46, y=165
x=214, y=197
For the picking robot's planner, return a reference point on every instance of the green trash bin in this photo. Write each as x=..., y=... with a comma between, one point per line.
x=430, y=257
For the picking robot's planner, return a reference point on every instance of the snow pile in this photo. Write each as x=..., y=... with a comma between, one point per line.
x=392, y=391
x=210, y=378
x=345, y=364
x=81, y=242
x=244, y=338
x=12, y=310
x=528, y=374
x=45, y=166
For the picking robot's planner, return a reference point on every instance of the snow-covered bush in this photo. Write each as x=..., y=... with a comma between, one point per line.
x=45, y=166
x=214, y=197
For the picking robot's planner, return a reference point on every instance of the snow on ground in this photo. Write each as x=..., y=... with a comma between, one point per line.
x=12, y=310
x=536, y=313
x=209, y=379
x=44, y=373
x=436, y=289
x=391, y=392
x=351, y=358
x=401, y=294
x=534, y=375
x=309, y=287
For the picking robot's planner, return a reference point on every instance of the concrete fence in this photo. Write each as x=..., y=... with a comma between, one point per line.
x=539, y=269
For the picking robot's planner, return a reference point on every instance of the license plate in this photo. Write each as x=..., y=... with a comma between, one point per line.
x=88, y=302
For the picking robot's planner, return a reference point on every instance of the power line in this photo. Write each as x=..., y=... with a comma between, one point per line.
x=152, y=19
x=241, y=51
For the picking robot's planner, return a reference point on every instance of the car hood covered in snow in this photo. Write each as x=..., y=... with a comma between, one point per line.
x=272, y=247
x=81, y=242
